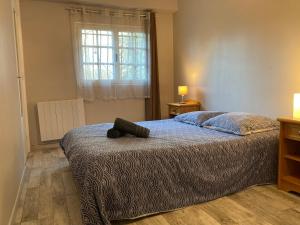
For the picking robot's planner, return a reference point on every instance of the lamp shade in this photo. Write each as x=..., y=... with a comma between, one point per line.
x=182, y=90
x=296, y=113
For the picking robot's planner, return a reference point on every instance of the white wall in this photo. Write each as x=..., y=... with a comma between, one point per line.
x=50, y=70
x=239, y=55
x=12, y=149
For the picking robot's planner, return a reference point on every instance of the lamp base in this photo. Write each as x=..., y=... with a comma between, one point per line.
x=182, y=101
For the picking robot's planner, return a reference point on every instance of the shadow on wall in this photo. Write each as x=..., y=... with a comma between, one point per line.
x=245, y=55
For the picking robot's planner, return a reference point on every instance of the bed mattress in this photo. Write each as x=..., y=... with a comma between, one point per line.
x=179, y=165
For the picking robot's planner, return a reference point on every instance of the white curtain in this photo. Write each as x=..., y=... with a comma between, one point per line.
x=111, y=53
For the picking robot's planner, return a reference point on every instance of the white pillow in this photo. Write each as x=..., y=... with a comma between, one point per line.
x=241, y=123
x=197, y=117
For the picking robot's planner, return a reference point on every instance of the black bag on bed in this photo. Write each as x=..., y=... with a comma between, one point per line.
x=131, y=128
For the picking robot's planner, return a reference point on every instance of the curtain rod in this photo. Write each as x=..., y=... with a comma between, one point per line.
x=101, y=10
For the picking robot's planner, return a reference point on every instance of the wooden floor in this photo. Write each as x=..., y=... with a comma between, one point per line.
x=49, y=197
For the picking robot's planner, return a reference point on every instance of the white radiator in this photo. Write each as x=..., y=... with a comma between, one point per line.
x=58, y=117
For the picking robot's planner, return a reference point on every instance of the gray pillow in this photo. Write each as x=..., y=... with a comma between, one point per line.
x=241, y=123
x=197, y=117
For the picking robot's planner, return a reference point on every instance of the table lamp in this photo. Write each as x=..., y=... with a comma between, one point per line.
x=182, y=90
x=296, y=112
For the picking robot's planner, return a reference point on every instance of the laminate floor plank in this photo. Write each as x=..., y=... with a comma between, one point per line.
x=49, y=196
x=69, y=184
x=33, y=222
x=46, y=221
x=34, y=177
x=285, y=197
x=45, y=203
x=197, y=216
x=264, y=208
x=31, y=205
x=154, y=220
x=57, y=184
x=175, y=217
x=228, y=207
x=255, y=221
x=73, y=204
x=220, y=216
x=20, y=204
x=60, y=211
x=290, y=216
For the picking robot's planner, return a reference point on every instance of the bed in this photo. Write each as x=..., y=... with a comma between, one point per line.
x=179, y=165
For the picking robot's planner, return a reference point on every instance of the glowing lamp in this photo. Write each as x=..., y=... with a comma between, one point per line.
x=182, y=90
x=296, y=112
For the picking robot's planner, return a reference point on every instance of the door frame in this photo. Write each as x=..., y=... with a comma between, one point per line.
x=21, y=73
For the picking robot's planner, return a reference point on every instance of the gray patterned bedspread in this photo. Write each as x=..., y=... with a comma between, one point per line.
x=179, y=165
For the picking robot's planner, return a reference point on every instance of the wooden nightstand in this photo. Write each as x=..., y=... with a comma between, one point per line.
x=289, y=155
x=179, y=108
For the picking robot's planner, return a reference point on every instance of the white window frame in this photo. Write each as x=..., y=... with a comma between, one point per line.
x=115, y=29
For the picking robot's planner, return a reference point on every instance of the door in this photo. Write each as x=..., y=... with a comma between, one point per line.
x=21, y=74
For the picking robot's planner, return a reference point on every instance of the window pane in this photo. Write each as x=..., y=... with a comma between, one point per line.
x=90, y=72
x=141, y=73
x=106, y=55
x=127, y=72
x=126, y=40
x=110, y=55
x=105, y=40
x=132, y=55
x=141, y=56
x=127, y=56
x=89, y=38
x=131, y=71
x=90, y=55
x=83, y=39
x=106, y=32
x=95, y=72
x=123, y=72
x=140, y=40
x=110, y=72
x=106, y=72
x=88, y=31
x=98, y=55
x=110, y=41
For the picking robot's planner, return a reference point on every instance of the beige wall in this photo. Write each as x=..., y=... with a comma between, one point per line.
x=50, y=71
x=239, y=55
x=12, y=150
x=165, y=59
x=161, y=5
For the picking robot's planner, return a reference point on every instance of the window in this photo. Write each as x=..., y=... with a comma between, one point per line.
x=117, y=54
x=97, y=54
x=111, y=54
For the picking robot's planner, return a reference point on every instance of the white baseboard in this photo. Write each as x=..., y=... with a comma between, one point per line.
x=12, y=215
